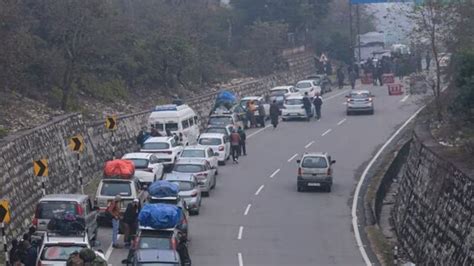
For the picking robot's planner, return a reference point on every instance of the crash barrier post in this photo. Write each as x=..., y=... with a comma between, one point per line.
x=395, y=89
x=367, y=79
x=388, y=78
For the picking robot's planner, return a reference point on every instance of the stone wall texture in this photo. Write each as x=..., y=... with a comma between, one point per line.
x=433, y=212
x=17, y=152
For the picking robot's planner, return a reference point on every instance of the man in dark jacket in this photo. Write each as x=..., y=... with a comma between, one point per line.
x=261, y=114
x=142, y=136
x=317, y=105
x=307, y=105
x=340, y=77
x=130, y=221
x=274, y=113
x=243, y=137
x=30, y=254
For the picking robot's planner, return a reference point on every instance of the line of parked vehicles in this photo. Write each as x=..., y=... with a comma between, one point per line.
x=182, y=166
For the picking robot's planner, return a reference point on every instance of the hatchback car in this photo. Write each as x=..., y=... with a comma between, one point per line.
x=258, y=100
x=167, y=149
x=77, y=204
x=202, y=170
x=279, y=94
x=226, y=130
x=310, y=86
x=315, y=171
x=147, y=166
x=201, y=152
x=293, y=108
x=218, y=143
x=323, y=81
x=189, y=190
x=360, y=101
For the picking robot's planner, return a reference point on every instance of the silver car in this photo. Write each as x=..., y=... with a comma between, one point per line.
x=188, y=190
x=360, y=101
x=315, y=171
x=202, y=170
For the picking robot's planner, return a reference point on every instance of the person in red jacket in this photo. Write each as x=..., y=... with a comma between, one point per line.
x=235, y=145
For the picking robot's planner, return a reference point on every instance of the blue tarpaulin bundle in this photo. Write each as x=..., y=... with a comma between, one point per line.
x=226, y=98
x=159, y=216
x=161, y=188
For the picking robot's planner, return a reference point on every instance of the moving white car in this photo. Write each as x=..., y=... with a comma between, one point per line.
x=201, y=152
x=177, y=119
x=167, y=149
x=148, y=168
x=310, y=86
x=294, y=108
x=219, y=144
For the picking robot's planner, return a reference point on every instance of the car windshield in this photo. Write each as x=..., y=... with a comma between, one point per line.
x=220, y=120
x=359, y=95
x=171, y=126
x=139, y=163
x=278, y=92
x=194, y=153
x=154, y=242
x=216, y=130
x=210, y=141
x=314, y=162
x=59, y=252
x=294, y=101
x=113, y=188
x=303, y=85
x=188, y=168
x=156, y=146
x=47, y=209
x=184, y=185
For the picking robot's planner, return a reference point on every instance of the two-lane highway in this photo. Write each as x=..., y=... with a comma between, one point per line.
x=255, y=216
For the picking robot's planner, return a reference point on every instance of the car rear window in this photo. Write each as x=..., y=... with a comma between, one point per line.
x=113, y=188
x=47, y=209
x=59, y=252
x=188, y=168
x=194, y=154
x=210, y=141
x=294, y=102
x=314, y=162
x=360, y=95
x=220, y=120
x=184, y=185
x=277, y=92
x=216, y=130
x=303, y=85
x=156, y=146
x=139, y=163
x=155, y=242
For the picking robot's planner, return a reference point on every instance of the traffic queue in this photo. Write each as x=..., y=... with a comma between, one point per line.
x=148, y=195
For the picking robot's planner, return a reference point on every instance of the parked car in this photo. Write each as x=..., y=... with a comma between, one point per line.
x=156, y=257
x=202, y=170
x=226, y=130
x=224, y=118
x=293, y=108
x=323, y=81
x=55, y=250
x=167, y=149
x=77, y=204
x=201, y=152
x=315, y=171
x=218, y=143
x=360, y=101
x=310, y=86
x=189, y=190
x=280, y=93
x=147, y=166
x=257, y=100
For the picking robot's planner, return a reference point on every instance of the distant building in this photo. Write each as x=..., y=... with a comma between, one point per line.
x=371, y=44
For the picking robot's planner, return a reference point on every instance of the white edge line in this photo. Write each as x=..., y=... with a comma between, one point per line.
x=274, y=173
x=309, y=144
x=292, y=157
x=239, y=257
x=247, y=209
x=258, y=131
x=259, y=189
x=342, y=121
x=405, y=98
x=335, y=95
x=355, y=225
x=241, y=229
x=327, y=132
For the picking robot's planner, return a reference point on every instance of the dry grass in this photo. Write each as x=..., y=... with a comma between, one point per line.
x=380, y=245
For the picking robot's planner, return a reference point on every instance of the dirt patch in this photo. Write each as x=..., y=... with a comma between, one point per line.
x=382, y=248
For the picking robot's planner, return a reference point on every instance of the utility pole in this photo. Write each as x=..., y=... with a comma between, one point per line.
x=351, y=33
x=358, y=33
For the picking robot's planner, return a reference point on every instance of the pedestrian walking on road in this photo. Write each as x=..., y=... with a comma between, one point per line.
x=340, y=77
x=274, y=113
x=261, y=114
x=235, y=145
x=352, y=79
x=317, y=105
x=130, y=221
x=307, y=105
x=243, y=137
x=113, y=210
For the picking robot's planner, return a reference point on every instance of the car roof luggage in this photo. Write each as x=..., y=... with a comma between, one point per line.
x=119, y=168
x=160, y=216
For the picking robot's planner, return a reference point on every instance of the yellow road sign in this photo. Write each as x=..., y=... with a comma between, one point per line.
x=4, y=211
x=111, y=122
x=76, y=143
x=40, y=167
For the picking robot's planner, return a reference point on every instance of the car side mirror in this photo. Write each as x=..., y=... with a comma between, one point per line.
x=298, y=161
x=333, y=161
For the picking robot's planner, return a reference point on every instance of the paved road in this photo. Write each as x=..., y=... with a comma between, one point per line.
x=256, y=217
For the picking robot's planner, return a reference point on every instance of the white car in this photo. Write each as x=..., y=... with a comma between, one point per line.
x=201, y=152
x=167, y=149
x=280, y=93
x=201, y=169
x=294, y=108
x=219, y=144
x=310, y=86
x=148, y=168
x=257, y=100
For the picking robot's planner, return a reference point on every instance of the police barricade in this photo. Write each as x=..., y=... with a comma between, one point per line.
x=388, y=78
x=367, y=79
x=395, y=89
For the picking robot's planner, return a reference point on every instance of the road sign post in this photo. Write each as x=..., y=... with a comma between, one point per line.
x=40, y=169
x=111, y=124
x=76, y=144
x=4, y=219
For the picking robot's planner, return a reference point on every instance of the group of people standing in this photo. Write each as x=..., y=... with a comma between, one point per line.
x=255, y=114
x=129, y=220
x=25, y=251
x=317, y=101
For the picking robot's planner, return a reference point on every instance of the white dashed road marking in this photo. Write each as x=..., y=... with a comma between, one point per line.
x=110, y=249
x=239, y=257
x=309, y=144
x=327, y=132
x=335, y=95
x=274, y=173
x=259, y=189
x=342, y=121
x=405, y=98
x=241, y=229
x=247, y=209
x=258, y=131
x=292, y=157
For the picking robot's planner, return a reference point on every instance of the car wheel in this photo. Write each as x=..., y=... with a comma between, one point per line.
x=283, y=119
x=371, y=112
x=205, y=194
x=299, y=189
x=348, y=112
x=328, y=188
x=217, y=171
x=196, y=212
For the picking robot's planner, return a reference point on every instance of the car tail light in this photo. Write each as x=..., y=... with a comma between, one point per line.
x=201, y=175
x=174, y=245
x=35, y=219
x=300, y=171
x=329, y=171
x=194, y=194
x=221, y=148
x=349, y=99
x=370, y=99
x=79, y=210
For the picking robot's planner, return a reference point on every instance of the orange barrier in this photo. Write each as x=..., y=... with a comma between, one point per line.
x=388, y=78
x=395, y=89
x=367, y=79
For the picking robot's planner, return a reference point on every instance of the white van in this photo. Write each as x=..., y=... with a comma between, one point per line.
x=178, y=119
